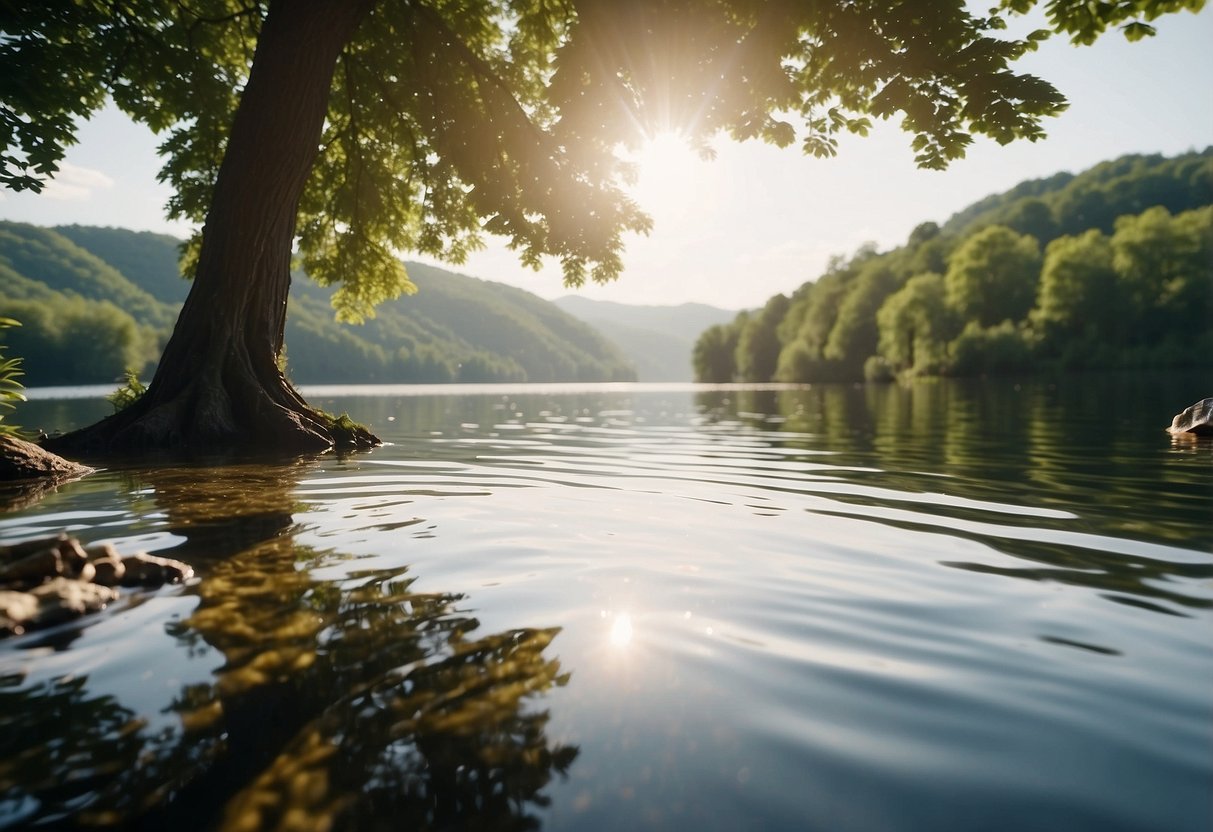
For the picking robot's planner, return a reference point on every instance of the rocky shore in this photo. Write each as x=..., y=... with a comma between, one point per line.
x=47, y=581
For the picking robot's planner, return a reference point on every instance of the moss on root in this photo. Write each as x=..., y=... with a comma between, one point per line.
x=347, y=434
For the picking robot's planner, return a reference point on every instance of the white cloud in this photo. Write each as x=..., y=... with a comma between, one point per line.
x=75, y=184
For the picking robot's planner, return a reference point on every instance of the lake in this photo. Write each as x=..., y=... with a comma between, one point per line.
x=946, y=606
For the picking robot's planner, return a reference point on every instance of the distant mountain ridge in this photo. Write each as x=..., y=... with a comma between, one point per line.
x=657, y=339
x=93, y=301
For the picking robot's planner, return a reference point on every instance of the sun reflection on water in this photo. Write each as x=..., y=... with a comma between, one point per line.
x=621, y=630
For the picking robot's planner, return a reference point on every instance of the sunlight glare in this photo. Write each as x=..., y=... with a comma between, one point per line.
x=621, y=630
x=667, y=170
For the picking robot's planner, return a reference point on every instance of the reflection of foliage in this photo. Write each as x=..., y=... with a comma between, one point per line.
x=64, y=747
x=442, y=746
x=346, y=704
x=372, y=695
x=983, y=442
x=220, y=509
x=1142, y=580
x=338, y=702
x=353, y=701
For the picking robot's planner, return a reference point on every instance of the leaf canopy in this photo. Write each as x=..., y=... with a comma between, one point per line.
x=449, y=119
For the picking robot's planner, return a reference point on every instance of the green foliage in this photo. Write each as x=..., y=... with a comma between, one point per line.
x=1164, y=264
x=810, y=322
x=998, y=350
x=757, y=352
x=878, y=369
x=69, y=340
x=346, y=432
x=915, y=325
x=1085, y=22
x=992, y=276
x=459, y=329
x=34, y=260
x=405, y=164
x=854, y=335
x=149, y=261
x=1138, y=295
x=456, y=328
x=1081, y=296
x=131, y=391
x=714, y=354
x=1032, y=217
x=74, y=306
x=1095, y=197
x=10, y=387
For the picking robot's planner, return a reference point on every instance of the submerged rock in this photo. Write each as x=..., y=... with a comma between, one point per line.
x=141, y=569
x=1197, y=419
x=108, y=571
x=50, y=580
x=56, y=600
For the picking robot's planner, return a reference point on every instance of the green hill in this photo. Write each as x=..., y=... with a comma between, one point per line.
x=455, y=328
x=146, y=259
x=1068, y=204
x=1108, y=268
x=657, y=339
x=34, y=260
x=119, y=291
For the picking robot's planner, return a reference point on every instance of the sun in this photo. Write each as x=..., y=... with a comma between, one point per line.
x=668, y=170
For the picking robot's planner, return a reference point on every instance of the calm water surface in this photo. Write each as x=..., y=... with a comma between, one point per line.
x=951, y=606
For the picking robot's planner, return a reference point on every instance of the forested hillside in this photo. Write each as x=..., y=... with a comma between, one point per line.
x=657, y=339
x=1110, y=268
x=455, y=328
x=93, y=302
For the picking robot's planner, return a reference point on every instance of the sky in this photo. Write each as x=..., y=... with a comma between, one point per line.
x=758, y=220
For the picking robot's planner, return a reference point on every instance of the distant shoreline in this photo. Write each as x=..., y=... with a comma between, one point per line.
x=96, y=391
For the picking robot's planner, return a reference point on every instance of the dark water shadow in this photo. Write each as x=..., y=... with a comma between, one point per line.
x=353, y=702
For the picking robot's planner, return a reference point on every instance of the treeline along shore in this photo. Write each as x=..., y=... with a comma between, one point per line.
x=1111, y=268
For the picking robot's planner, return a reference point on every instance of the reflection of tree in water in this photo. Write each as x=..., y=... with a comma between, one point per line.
x=355, y=701
x=61, y=770
x=1043, y=445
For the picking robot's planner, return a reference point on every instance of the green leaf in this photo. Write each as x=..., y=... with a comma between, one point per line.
x=1137, y=30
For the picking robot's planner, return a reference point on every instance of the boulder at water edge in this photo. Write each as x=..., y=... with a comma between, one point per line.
x=1196, y=419
x=21, y=460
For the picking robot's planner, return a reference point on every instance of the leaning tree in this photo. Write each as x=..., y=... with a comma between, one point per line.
x=346, y=131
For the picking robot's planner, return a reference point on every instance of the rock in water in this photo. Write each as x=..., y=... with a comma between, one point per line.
x=21, y=460
x=1196, y=419
x=57, y=600
x=51, y=580
x=142, y=569
x=61, y=599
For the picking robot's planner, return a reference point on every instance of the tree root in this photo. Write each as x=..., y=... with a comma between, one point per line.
x=208, y=420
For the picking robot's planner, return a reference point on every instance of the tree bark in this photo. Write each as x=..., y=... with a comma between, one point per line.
x=218, y=385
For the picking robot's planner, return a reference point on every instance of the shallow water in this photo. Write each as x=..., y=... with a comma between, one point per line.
x=949, y=606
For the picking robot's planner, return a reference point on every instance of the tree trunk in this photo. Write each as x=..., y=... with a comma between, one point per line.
x=218, y=385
